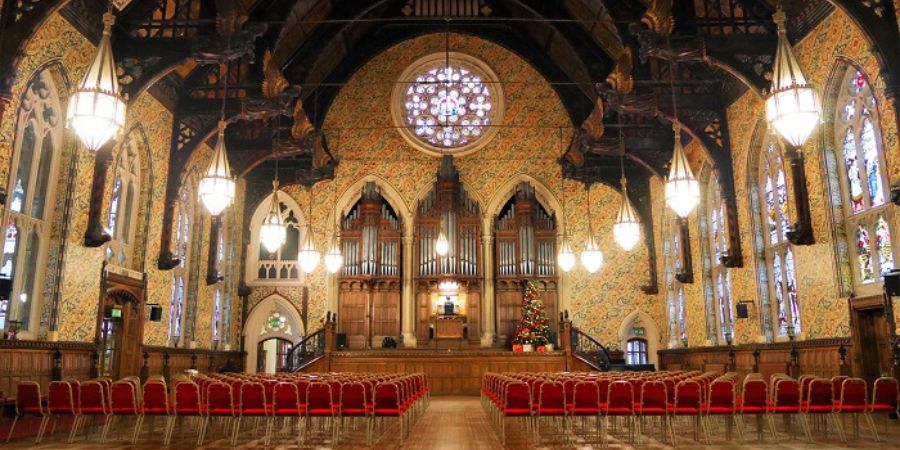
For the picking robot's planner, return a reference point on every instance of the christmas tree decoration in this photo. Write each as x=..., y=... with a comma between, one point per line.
x=534, y=327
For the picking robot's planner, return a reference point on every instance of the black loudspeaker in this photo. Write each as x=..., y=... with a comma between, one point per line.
x=5, y=288
x=742, y=311
x=155, y=313
x=342, y=340
x=892, y=283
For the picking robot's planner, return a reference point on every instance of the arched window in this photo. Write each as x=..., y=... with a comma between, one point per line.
x=862, y=179
x=123, y=204
x=779, y=256
x=183, y=226
x=218, y=324
x=720, y=281
x=636, y=351
x=279, y=266
x=675, y=294
x=28, y=214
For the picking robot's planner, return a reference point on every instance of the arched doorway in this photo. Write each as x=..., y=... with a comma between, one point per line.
x=275, y=317
x=639, y=338
x=271, y=355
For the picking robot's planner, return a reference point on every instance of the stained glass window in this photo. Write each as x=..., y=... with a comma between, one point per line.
x=27, y=220
x=675, y=291
x=863, y=179
x=719, y=312
x=114, y=206
x=183, y=222
x=217, y=314
x=779, y=258
x=636, y=351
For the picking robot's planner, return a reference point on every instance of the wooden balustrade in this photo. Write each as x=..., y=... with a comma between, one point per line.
x=820, y=357
x=45, y=361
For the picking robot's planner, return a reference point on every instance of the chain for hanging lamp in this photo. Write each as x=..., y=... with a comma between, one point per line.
x=627, y=228
x=566, y=257
x=308, y=256
x=334, y=260
x=682, y=187
x=792, y=107
x=96, y=112
x=216, y=188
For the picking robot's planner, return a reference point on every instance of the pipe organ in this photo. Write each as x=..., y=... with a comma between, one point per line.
x=369, y=281
x=525, y=249
x=448, y=208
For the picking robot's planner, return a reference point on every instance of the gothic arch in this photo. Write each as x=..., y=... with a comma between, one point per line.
x=651, y=333
x=351, y=195
x=256, y=322
x=544, y=196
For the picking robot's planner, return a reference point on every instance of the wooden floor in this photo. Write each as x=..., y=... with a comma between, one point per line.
x=451, y=423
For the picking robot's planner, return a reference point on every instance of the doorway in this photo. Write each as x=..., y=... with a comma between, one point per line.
x=120, y=324
x=871, y=338
x=271, y=355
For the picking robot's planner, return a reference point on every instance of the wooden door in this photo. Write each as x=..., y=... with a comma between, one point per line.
x=120, y=322
x=871, y=338
x=352, y=313
x=509, y=309
x=385, y=313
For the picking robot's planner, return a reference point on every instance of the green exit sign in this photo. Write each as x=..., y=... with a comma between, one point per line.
x=115, y=313
x=637, y=331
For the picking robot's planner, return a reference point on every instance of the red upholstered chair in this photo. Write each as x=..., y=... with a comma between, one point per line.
x=619, y=403
x=60, y=403
x=28, y=403
x=287, y=403
x=353, y=403
x=654, y=403
x=820, y=400
x=689, y=403
x=155, y=403
x=186, y=404
x=885, y=394
x=786, y=402
x=515, y=402
x=755, y=402
x=252, y=404
x=853, y=400
x=722, y=402
x=388, y=403
x=319, y=405
x=219, y=403
x=93, y=403
x=837, y=384
x=551, y=403
x=124, y=402
x=586, y=403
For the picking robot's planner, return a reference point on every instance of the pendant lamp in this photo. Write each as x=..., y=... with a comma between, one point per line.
x=627, y=228
x=272, y=232
x=591, y=256
x=792, y=107
x=682, y=188
x=216, y=189
x=566, y=257
x=96, y=112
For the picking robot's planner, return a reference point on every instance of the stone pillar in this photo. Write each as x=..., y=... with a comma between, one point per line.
x=487, y=302
x=407, y=299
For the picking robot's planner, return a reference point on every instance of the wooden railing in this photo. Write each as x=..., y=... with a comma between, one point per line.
x=307, y=351
x=589, y=350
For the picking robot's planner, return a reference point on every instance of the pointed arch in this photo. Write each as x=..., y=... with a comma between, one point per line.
x=255, y=330
x=352, y=194
x=651, y=333
x=279, y=267
x=543, y=194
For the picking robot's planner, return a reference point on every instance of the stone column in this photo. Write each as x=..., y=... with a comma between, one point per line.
x=487, y=297
x=407, y=299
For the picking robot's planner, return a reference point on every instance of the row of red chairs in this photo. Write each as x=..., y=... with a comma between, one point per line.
x=672, y=395
x=325, y=398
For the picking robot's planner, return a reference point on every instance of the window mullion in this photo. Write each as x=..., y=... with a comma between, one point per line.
x=856, y=129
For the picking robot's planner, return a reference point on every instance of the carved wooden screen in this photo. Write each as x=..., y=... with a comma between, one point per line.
x=524, y=249
x=448, y=208
x=369, y=298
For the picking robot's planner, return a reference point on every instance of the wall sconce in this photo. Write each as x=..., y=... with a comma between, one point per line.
x=729, y=339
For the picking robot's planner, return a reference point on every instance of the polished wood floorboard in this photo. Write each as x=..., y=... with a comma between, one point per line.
x=450, y=423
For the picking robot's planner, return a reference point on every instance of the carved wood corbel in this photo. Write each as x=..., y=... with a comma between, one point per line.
x=95, y=235
x=801, y=232
x=212, y=270
x=686, y=274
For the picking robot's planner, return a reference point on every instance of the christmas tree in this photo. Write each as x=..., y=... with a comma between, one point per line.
x=533, y=328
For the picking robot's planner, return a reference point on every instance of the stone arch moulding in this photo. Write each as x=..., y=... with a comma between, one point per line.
x=544, y=195
x=651, y=333
x=349, y=197
x=260, y=210
x=257, y=318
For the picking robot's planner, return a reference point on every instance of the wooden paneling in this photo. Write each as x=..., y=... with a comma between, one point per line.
x=817, y=357
x=34, y=361
x=170, y=362
x=449, y=373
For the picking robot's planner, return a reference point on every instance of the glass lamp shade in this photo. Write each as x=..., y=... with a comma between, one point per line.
x=682, y=188
x=566, y=257
x=96, y=112
x=627, y=228
x=308, y=256
x=272, y=232
x=334, y=259
x=792, y=107
x=591, y=257
x=216, y=189
x=441, y=244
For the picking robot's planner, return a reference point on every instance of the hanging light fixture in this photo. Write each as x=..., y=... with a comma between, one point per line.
x=682, y=188
x=96, y=112
x=792, y=107
x=216, y=189
x=308, y=256
x=441, y=244
x=627, y=228
x=591, y=256
x=334, y=260
x=272, y=232
x=566, y=257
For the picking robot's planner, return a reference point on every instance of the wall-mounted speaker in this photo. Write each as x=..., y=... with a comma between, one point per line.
x=5, y=288
x=155, y=313
x=743, y=312
x=341, y=340
x=892, y=283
